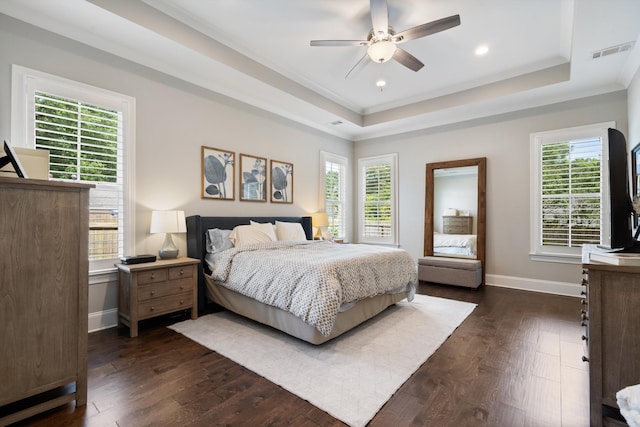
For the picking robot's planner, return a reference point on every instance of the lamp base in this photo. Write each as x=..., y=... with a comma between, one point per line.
x=168, y=250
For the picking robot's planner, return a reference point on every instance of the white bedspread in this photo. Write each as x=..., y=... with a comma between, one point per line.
x=313, y=279
x=461, y=244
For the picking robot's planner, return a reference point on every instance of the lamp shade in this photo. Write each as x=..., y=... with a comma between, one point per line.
x=319, y=219
x=168, y=222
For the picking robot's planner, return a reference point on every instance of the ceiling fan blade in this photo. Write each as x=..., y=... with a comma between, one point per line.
x=408, y=60
x=379, y=16
x=427, y=29
x=359, y=66
x=339, y=42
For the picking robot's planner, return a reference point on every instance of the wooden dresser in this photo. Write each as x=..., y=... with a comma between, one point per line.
x=457, y=224
x=44, y=229
x=154, y=288
x=611, y=316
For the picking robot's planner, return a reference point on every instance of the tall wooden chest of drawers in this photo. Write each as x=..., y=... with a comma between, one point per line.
x=611, y=317
x=44, y=275
x=154, y=288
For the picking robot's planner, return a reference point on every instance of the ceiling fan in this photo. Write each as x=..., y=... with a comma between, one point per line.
x=382, y=40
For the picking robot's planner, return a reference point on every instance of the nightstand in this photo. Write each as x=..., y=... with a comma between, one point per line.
x=154, y=288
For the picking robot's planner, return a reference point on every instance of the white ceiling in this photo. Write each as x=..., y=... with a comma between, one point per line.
x=257, y=51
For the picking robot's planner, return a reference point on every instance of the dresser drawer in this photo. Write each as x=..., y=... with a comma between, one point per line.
x=152, y=276
x=457, y=224
x=171, y=287
x=163, y=305
x=179, y=272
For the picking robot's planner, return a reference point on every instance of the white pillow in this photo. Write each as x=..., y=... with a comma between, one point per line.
x=266, y=227
x=248, y=234
x=290, y=231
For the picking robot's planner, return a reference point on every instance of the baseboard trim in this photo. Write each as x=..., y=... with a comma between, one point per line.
x=105, y=319
x=534, y=285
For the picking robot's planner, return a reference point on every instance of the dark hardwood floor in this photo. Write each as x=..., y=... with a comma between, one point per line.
x=516, y=361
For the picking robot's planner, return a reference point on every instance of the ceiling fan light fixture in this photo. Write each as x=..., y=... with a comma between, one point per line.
x=381, y=51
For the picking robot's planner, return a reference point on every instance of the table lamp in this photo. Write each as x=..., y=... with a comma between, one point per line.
x=319, y=220
x=168, y=222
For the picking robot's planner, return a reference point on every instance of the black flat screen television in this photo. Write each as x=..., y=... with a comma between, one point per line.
x=621, y=234
x=11, y=157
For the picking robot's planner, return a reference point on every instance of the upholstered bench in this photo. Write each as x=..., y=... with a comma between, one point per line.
x=450, y=271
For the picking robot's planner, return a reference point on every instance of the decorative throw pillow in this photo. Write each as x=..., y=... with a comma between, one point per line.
x=248, y=234
x=290, y=231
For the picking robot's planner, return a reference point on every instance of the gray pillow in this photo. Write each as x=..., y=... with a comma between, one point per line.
x=218, y=240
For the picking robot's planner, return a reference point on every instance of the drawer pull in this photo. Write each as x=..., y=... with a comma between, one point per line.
x=583, y=293
x=181, y=287
x=584, y=338
x=152, y=293
x=181, y=301
x=584, y=316
x=152, y=309
x=181, y=272
x=583, y=301
x=583, y=323
x=585, y=359
x=153, y=276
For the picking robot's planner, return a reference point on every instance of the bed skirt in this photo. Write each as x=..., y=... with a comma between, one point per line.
x=292, y=325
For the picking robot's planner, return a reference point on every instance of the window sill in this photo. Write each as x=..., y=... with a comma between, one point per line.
x=103, y=276
x=557, y=258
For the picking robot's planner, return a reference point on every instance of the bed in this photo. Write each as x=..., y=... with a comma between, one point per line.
x=455, y=244
x=220, y=278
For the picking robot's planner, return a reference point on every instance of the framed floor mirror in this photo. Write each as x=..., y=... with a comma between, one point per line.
x=455, y=215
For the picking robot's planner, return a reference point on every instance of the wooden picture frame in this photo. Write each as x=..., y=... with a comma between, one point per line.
x=218, y=174
x=253, y=178
x=281, y=182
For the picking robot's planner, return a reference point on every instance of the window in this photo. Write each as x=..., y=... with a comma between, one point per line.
x=377, y=207
x=334, y=179
x=87, y=132
x=567, y=191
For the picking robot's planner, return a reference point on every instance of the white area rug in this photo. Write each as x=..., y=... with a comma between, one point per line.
x=350, y=377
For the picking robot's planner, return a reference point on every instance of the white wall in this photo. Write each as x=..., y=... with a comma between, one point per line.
x=504, y=140
x=173, y=120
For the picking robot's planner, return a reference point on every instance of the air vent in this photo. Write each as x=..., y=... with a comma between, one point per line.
x=624, y=47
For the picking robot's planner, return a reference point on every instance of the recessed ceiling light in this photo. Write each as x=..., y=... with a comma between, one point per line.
x=381, y=84
x=482, y=50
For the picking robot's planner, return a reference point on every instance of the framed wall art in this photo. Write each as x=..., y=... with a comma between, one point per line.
x=253, y=178
x=218, y=176
x=281, y=182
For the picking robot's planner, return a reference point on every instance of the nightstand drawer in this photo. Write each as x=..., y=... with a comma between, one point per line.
x=163, y=289
x=152, y=276
x=179, y=272
x=163, y=305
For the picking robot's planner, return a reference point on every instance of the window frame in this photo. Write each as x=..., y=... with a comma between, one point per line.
x=537, y=251
x=25, y=82
x=326, y=157
x=363, y=163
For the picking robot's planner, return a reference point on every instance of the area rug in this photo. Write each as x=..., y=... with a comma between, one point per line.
x=350, y=377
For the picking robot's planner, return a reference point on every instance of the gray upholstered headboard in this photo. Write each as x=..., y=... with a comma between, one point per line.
x=198, y=225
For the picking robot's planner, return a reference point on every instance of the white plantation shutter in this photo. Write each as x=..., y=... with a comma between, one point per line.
x=335, y=193
x=85, y=145
x=570, y=191
x=377, y=200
